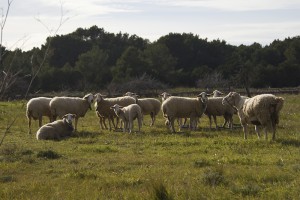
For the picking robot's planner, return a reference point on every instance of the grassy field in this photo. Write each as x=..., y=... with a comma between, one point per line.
x=154, y=164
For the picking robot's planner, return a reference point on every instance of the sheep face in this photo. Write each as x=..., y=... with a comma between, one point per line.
x=90, y=99
x=231, y=99
x=117, y=109
x=99, y=97
x=203, y=97
x=68, y=118
x=164, y=95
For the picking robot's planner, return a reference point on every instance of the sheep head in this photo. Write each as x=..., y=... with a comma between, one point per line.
x=231, y=98
x=203, y=97
x=90, y=99
x=117, y=109
x=68, y=118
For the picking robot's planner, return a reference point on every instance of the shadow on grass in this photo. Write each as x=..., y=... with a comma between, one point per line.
x=86, y=134
x=289, y=142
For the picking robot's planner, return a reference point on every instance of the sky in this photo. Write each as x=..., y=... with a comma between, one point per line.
x=30, y=22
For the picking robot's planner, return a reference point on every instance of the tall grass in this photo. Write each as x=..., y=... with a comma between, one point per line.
x=154, y=164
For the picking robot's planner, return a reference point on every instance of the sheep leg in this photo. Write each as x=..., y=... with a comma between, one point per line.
x=245, y=130
x=257, y=131
x=215, y=120
x=171, y=123
x=40, y=121
x=104, y=123
x=139, y=123
x=230, y=123
x=209, y=117
x=152, y=118
x=76, y=120
x=273, y=128
x=29, y=125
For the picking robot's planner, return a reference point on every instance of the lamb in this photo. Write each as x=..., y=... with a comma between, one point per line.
x=36, y=108
x=103, y=105
x=57, y=130
x=60, y=106
x=148, y=105
x=261, y=110
x=128, y=114
x=216, y=108
x=184, y=107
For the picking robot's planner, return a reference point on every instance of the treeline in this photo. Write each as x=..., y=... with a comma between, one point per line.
x=93, y=59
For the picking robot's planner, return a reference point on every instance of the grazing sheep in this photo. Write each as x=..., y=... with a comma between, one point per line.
x=103, y=105
x=60, y=106
x=184, y=107
x=216, y=108
x=128, y=114
x=148, y=105
x=57, y=130
x=261, y=110
x=37, y=108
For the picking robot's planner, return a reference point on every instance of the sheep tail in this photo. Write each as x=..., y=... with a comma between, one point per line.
x=275, y=109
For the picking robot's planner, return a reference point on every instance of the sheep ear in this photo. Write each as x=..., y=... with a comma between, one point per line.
x=112, y=107
x=209, y=95
x=64, y=117
x=74, y=115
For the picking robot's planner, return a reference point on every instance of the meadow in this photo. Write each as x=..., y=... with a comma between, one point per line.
x=154, y=164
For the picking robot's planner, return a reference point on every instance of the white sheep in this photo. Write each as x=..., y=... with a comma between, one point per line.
x=60, y=106
x=36, y=108
x=217, y=93
x=149, y=106
x=166, y=95
x=103, y=105
x=57, y=130
x=261, y=110
x=128, y=114
x=184, y=107
x=216, y=108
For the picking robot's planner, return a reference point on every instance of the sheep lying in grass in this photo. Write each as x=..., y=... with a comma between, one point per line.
x=149, y=106
x=36, y=108
x=57, y=130
x=60, y=106
x=216, y=108
x=184, y=107
x=103, y=110
x=261, y=110
x=128, y=114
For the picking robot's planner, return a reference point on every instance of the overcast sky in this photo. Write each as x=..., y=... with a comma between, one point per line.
x=235, y=21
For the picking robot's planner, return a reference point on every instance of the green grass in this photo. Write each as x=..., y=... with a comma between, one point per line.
x=155, y=164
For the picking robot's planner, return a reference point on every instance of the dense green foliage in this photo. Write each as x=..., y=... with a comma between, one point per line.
x=154, y=164
x=93, y=58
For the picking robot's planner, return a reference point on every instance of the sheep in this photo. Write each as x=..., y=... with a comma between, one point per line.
x=184, y=107
x=36, y=108
x=103, y=105
x=128, y=114
x=217, y=93
x=60, y=106
x=148, y=105
x=216, y=108
x=261, y=110
x=166, y=95
x=57, y=130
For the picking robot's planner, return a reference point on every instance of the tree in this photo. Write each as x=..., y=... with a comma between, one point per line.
x=93, y=66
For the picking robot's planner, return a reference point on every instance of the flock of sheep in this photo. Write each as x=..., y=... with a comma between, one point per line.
x=261, y=111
